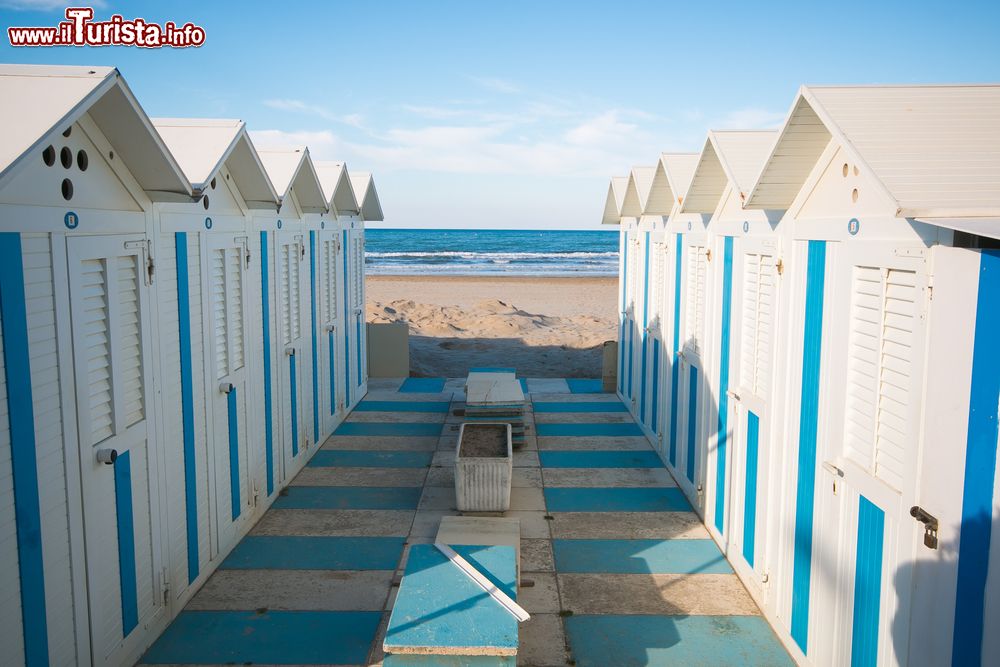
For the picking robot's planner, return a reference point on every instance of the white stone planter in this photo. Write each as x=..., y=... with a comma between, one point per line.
x=482, y=483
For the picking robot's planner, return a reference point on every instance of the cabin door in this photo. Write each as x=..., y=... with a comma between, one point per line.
x=224, y=280
x=291, y=288
x=331, y=402
x=109, y=304
x=755, y=299
x=356, y=295
x=632, y=315
x=655, y=329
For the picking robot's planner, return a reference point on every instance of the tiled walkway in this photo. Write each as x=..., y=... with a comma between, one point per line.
x=623, y=572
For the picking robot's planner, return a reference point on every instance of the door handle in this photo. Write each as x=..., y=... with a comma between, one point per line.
x=930, y=525
x=226, y=387
x=290, y=351
x=331, y=327
x=733, y=395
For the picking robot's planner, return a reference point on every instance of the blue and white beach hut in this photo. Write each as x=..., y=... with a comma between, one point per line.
x=356, y=330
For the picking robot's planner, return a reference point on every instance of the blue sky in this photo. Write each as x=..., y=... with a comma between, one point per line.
x=515, y=114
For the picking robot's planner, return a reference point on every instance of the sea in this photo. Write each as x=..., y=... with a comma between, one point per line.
x=491, y=252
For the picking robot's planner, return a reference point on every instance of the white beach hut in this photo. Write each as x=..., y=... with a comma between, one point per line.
x=210, y=345
x=740, y=348
x=613, y=216
x=369, y=209
x=285, y=301
x=80, y=168
x=885, y=491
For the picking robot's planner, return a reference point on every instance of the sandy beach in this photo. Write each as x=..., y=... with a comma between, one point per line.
x=543, y=326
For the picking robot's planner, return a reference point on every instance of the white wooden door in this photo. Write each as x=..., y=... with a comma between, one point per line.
x=356, y=287
x=331, y=386
x=632, y=328
x=224, y=280
x=112, y=362
x=292, y=289
x=690, y=408
x=656, y=332
x=755, y=299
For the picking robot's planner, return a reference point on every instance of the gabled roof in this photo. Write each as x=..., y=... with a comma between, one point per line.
x=670, y=182
x=934, y=150
x=614, y=200
x=292, y=169
x=336, y=184
x=42, y=100
x=367, y=197
x=729, y=156
x=202, y=146
x=637, y=191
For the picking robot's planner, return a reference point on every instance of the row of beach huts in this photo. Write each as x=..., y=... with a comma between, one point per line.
x=182, y=322
x=810, y=337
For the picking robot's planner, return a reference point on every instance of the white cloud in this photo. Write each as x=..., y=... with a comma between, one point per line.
x=354, y=119
x=323, y=145
x=601, y=130
x=496, y=85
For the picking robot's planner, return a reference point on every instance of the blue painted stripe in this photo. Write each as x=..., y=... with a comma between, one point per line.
x=265, y=307
x=621, y=337
x=654, y=417
x=331, y=347
x=621, y=359
x=294, y=386
x=331, y=458
x=692, y=425
x=357, y=343
x=492, y=369
x=675, y=371
x=422, y=386
x=315, y=342
x=599, y=459
x=616, y=500
x=24, y=462
x=349, y=498
x=644, y=341
x=585, y=385
x=812, y=344
x=234, y=455
x=736, y=641
x=579, y=406
x=293, y=552
x=640, y=557
x=403, y=406
x=187, y=403
x=524, y=385
x=724, y=353
x=126, y=543
x=980, y=469
x=347, y=328
x=269, y=637
x=396, y=429
x=631, y=355
x=750, y=490
x=585, y=430
x=867, y=585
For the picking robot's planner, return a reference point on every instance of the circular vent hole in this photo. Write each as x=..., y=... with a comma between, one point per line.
x=66, y=157
x=68, y=131
x=49, y=156
x=854, y=195
x=82, y=160
x=213, y=184
x=204, y=202
x=67, y=189
x=845, y=170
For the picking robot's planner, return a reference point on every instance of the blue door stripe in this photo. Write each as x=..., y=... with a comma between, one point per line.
x=631, y=355
x=333, y=373
x=656, y=385
x=621, y=338
x=126, y=542
x=357, y=343
x=750, y=490
x=692, y=425
x=294, y=404
x=187, y=403
x=980, y=469
x=347, y=328
x=645, y=323
x=24, y=462
x=674, y=373
x=265, y=307
x=234, y=455
x=723, y=433
x=867, y=585
x=315, y=343
x=812, y=343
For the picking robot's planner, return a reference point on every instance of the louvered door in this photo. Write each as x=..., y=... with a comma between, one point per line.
x=694, y=297
x=331, y=389
x=111, y=356
x=291, y=291
x=225, y=282
x=356, y=291
x=655, y=329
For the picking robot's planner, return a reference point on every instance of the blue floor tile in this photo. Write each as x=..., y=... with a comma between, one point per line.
x=640, y=556
x=599, y=459
x=403, y=406
x=585, y=386
x=616, y=500
x=524, y=385
x=275, y=637
x=422, y=386
x=579, y=406
x=348, y=498
x=634, y=641
x=287, y=552
x=404, y=660
x=329, y=458
x=391, y=429
x=589, y=430
x=491, y=369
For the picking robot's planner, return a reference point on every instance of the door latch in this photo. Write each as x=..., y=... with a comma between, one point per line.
x=930, y=526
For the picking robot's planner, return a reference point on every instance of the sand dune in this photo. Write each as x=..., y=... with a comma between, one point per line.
x=545, y=327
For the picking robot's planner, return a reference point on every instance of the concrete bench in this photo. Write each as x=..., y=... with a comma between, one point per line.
x=488, y=531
